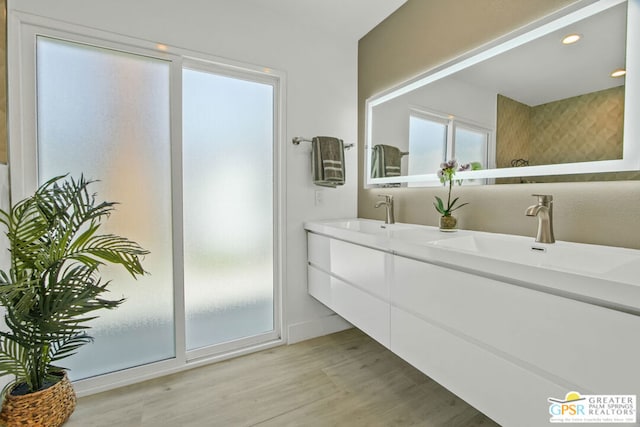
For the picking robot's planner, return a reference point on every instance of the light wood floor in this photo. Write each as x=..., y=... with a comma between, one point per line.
x=344, y=379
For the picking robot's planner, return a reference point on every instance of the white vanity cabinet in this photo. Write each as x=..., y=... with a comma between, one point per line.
x=505, y=349
x=502, y=347
x=351, y=280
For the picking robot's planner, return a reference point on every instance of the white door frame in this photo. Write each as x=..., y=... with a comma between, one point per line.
x=22, y=126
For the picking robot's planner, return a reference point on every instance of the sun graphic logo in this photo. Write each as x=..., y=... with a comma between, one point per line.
x=577, y=408
x=572, y=405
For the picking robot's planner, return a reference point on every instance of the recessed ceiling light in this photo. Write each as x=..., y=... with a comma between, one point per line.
x=619, y=72
x=571, y=38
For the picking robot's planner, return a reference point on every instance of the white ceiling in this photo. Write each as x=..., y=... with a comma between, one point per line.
x=544, y=70
x=349, y=19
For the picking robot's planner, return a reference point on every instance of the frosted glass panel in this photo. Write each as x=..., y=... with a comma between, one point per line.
x=471, y=146
x=228, y=208
x=105, y=114
x=427, y=145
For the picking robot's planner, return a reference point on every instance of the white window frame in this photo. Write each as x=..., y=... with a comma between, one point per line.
x=23, y=29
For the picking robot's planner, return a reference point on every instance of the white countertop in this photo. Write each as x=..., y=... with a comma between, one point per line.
x=602, y=275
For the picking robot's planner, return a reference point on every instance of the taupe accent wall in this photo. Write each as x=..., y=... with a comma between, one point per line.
x=423, y=34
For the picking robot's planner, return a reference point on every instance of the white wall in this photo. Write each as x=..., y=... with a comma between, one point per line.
x=321, y=71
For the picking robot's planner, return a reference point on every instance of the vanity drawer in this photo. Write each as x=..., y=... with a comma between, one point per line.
x=579, y=345
x=503, y=391
x=364, y=311
x=359, y=265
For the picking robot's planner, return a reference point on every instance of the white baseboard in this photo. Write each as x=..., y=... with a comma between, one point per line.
x=316, y=328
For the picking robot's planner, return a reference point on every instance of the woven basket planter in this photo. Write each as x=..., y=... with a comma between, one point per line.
x=50, y=407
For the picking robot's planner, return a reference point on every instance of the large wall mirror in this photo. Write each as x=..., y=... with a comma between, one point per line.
x=551, y=99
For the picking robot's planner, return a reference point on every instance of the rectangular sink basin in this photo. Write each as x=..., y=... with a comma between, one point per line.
x=364, y=226
x=375, y=233
x=567, y=256
x=366, y=232
x=404, y=232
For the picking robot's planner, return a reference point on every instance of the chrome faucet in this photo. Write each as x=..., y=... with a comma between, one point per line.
x=388, y=203
x=544, y=211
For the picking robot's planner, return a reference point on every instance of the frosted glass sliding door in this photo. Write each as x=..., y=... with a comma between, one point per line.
x=105, y=114
x=188, y=149
x=228, y=207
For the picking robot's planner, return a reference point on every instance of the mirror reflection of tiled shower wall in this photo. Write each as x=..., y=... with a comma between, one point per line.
x=579, y=129
x=583, y=128
x=513, y=132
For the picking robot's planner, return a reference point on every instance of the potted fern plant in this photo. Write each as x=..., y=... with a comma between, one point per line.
x=50, y=293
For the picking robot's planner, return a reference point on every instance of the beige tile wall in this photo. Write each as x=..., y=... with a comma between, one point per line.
x=578, y=129
x=513, y=134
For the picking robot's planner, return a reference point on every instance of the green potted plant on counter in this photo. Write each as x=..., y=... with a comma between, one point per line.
x=50, y=292
x=447, y=170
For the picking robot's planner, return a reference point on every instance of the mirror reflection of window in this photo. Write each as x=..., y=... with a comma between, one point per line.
x=427, y=142
x=471, y=146
x=434, y=138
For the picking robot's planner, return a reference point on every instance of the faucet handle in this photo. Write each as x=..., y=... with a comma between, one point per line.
x=543, y=199
x=388, y=198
